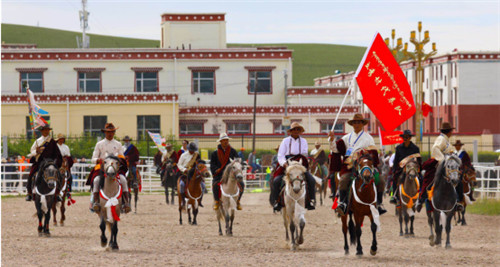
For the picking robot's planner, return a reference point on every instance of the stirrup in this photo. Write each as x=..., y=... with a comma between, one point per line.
x=341, y=208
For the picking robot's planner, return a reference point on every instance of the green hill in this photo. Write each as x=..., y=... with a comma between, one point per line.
x=309, y=60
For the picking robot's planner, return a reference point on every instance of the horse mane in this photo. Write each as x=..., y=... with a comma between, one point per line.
x=193, y=169
x=225, y=174
x=441, y=167
x=295, y=165
x=46, y=162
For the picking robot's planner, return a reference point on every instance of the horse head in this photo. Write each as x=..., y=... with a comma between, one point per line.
x=169, y=167
x=295, y=175
x=469, y=175
x=451, y=169
x=50, y=173
x=412, y=169
x=111, y=166
x=235, y=169
x=364, y=167
x=201, y=170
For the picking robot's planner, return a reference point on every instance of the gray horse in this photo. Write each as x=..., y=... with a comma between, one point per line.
x=443, y=199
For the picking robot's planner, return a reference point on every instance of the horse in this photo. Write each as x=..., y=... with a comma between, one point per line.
x=362, y=203
x=110, y=201
x=408, y=194
x=468, y=181
x=64, y=173
x=193, y=191
x=135, y=187
x=230, y=191
x=47, y=181
x=294, y=210
x=168, y=180
x=317, y=171
x=443, y=198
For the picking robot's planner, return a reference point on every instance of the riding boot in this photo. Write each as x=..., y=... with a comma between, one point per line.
x=275, y=193
x=126, y=202
x=395, y=197
x=472, y=195
x=421, y=200
x=95, y=205
x=460, y=197
x=380, y=206
x=216, y=204
x=332, y=186
x=29, y=190
x=342, y=206
x=311, y=190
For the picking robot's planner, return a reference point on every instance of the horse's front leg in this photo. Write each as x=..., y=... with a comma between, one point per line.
x=113, y=243
x=231, y=219
x=136, y=197
x=400, y=213
x=195, y=215
x=189, y=212
x=180, y=212
x=226, y=220
x=219, y=216
x=39, y=213
x=463, y=216
x=359, y=222
x=63, y=211
x=438, y=228
x=46, y=230
x=407, y=220
x=302, y=224
x=54, y=211
x=104, y=240
x=448, y=229
x=344, y=231
x=292, y=233
x=373, y=249
x=285, y=223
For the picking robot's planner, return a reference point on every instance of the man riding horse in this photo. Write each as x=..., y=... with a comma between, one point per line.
x=293, y=147
x=131, y=154
x=466, y=162
x=218, y=162
x=66, y=155
x=319, y=156
x=407, y=148
x=440, y=148
x=108, y=147
x=186, y=162
x=43, y=148
x=171, y=155
x=340, y=160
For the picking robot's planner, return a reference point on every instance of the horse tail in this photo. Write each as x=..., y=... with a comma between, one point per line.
x=352, y=231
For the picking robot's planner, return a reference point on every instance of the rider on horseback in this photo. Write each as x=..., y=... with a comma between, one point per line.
x=66, y=155
x=292, y=147
x=440, y=148
x=132, y=156
x=341, y=151
x=171, y=155
x=403, y=150
x=218, y=162
x=466, y=162
x=319, y=156
x=108, y=146
x=186, y=163
x=43, y=148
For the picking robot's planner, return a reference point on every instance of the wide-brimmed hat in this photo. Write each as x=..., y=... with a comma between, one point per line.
x=446, y=126
x=192, y=147
x=109, y=127
x=296, y=125
x=126, y=138
x=46, y=126
x=358, y=117
x=458, y=143
x=406, y=132
x=60, y=136
x=318, y=143
x=223, y=136
x=277, y=148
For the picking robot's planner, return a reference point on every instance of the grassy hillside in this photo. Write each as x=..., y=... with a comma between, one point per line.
x=309, y=60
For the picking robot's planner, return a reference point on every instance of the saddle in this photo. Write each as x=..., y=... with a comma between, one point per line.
x=280, y=170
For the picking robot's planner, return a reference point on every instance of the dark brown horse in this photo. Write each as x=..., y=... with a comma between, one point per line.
x=468, y=181
x=169, y=180
x=193, y=190
x=64, y=172
x=362, y=203
x=46, y=183
x=408, y=194
x=135, y=187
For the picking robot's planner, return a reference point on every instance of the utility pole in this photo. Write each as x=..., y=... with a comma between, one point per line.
x=254, y=108
x=286, y=101
x=84, y=24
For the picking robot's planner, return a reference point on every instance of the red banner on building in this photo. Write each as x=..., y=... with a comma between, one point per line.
x=390, y=138
x=384, y=87
x=426, y=109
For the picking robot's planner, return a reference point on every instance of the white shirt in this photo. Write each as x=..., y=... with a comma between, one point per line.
x=105, y=148
x=184, y=160
x=64, y=150
x=290, y=146
x=354, y=140
x=441, y=147
x=38, y=143
x=391, y=160
x=314, y=151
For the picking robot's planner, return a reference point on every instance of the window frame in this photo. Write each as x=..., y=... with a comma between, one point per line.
x=187, y=132
x=235, y=122
x=250, y=79
x=142, y=81
x=144, y=129
x=94, y=131
x=199, y=82
x=21, y=81
x=88, y=79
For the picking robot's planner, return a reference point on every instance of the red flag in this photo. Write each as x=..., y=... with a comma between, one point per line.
x=384, y=87
x=426, y=109
x=390, y=138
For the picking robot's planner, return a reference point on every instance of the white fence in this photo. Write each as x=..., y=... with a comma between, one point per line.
x=13, y=180
x=488, y=179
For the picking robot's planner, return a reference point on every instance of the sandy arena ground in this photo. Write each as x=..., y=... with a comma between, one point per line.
x=153, y=237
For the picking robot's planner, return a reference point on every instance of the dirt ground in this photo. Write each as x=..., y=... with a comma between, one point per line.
x=153, y=237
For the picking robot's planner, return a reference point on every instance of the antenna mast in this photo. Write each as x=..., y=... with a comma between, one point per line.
x=84, y=24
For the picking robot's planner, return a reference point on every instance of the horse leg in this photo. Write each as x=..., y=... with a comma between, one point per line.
x=231, y=222
x=219, y=216
x=114, y=232
x=195, y=214
x=180, y=213
x=54, y=211
x=448, y=229
x=344, y=231
x=226, y=219
x=63, y=211
x=292, y=233
x=430, y=222
x=438, y=228
x=285, y=223
x=40, y=217
x=166, y=194
x=463, y=216
x=359, y=248
x=373, y=249
x=400, y=222
x=189, y=212
x=46, y=230
x=302, y=224
x=104, y=240
x=412, y=218
x=407, y=220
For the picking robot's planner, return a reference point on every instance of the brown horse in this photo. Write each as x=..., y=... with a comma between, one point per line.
x=408, y=194
x=64, y=172
x=468, y=181
x=130, y=184
x=317, y=170
x=362, y=203
x=193, y=191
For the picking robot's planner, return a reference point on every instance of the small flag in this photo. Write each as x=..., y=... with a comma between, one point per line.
x=35, y=112
x=390, y=138
x=426, y=109
x=157, y=139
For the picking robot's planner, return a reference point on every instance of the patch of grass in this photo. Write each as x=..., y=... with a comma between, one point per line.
x=485, y=207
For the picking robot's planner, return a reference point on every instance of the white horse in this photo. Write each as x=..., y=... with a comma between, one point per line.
x=230, y=191
x=294, y=210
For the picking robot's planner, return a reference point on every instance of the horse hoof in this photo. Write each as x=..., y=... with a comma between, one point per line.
x=104, y=242
x=40, y=234
x=47, y=234
x=448, y=246
x=346, y=252
x=407, y=235
x=359, y=253
x=114, y=247
x=220, y=233
x=61, y=224
x=194, y=223
x=431, y=237
x=373, y=252
x=55, y=223
x=401, y=234
x=432, y=243
x=300, y=241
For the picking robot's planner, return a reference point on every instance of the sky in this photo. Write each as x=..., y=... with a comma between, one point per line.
x=465, y=25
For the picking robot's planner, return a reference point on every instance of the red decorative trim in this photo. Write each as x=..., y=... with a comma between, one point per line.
x=204, y=68
x=238, y=121
x=31, y=69
x=197, y=110
x=193, y=17
x=89, y=69
x=150, y=54
x=317, y=91
x=260, y=68
x=192, y=121
x=147, y=69
x=92, y=98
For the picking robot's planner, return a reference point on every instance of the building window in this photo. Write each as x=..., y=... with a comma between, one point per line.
x=30, y=134
x=204, y=82
x=89, y=82
x=445, y=80
x=146, y=81
x=238, y=128
x=147, y=122
x=92, y=125
x=191, y=128
x=441, y=72
x=262, y=79
x=279, y=129
x=327, y=127
x=34, y=80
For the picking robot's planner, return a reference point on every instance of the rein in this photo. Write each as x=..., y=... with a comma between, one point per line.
x=373, y=209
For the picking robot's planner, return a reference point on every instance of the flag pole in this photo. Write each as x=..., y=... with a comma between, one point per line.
x=381, y=144
x=340, y=109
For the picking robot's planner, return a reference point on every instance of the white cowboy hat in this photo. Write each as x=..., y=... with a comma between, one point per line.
x=223, y=136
